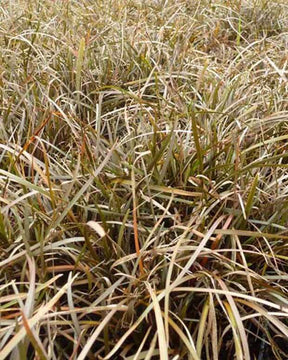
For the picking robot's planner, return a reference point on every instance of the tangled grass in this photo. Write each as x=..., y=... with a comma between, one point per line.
x=144, y=183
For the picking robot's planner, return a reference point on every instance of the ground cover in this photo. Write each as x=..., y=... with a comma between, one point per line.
x=143, y=179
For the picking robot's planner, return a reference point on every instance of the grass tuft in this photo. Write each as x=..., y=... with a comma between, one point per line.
x=143, y=180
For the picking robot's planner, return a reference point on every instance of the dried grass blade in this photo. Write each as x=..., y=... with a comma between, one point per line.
x=163, y=346
x=98, y=330
x=34, y=339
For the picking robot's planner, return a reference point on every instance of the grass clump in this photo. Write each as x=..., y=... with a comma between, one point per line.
x=143, y=180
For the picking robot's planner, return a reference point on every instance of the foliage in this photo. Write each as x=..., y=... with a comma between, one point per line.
x=143, y=179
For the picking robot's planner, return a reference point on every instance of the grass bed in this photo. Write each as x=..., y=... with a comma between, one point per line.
x=143, y=179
